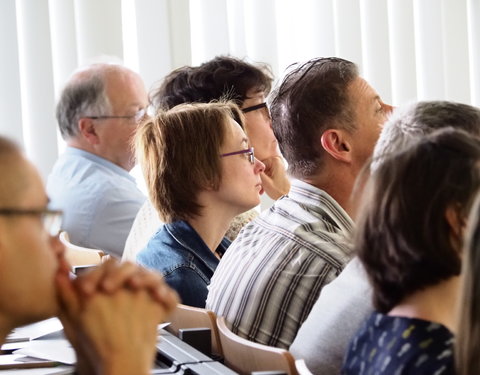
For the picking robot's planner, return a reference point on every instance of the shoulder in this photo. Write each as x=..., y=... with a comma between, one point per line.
x=161, y=247
x=388, y=345
x=323, y=338
x=164, y=253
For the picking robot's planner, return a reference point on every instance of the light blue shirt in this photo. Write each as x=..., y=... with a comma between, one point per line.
x=99, y=199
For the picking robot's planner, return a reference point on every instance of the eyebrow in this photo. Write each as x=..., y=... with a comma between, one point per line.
x=256, y=94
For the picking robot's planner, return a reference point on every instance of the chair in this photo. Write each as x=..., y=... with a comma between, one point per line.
x=302, y=368
x=185, y=317
x=80, y=256
x=246, y=356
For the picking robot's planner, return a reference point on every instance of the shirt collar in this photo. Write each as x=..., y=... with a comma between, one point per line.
x=99, y=160
x=320, y=202
x=189, y=238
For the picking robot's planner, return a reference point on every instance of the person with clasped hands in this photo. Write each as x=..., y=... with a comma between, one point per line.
x=110, y=315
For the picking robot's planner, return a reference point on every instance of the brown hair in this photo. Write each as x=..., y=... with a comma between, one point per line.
x=403, y=237
x=312, y=98
x=14, y=180
x=179, y=152
x=468, y=332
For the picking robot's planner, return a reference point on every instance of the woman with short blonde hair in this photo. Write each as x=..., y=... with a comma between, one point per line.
x=200, y=173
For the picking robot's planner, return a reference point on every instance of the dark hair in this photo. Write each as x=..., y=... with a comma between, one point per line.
x=468, y=331
x=179, y=152
x=312, y=98
x=8, y=147
x=222, y=78
x=403, y=237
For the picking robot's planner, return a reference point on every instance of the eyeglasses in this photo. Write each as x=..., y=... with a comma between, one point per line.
x=51, y=219
x=255, y=107
x=138, y=116
x=248, y=151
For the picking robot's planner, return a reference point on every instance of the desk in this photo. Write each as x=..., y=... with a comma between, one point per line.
x=173, y=357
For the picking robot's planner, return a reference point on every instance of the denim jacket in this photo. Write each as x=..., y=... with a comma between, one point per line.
x=185, y=261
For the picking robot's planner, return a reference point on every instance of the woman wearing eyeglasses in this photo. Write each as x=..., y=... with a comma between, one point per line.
x=200, y=172
x=247, y=85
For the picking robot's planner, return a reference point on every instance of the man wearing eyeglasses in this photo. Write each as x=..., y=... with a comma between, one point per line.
x=97, y=113
x=110, y=314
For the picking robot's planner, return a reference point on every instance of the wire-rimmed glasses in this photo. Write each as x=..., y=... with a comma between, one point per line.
x=249, y=151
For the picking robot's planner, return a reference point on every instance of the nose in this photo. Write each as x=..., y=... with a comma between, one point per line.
x=389, y=108
x=259, y=167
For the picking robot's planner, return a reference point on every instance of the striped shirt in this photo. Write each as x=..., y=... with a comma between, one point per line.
x=272, y=274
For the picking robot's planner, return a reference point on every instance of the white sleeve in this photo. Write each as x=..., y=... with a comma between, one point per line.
x=342, y=307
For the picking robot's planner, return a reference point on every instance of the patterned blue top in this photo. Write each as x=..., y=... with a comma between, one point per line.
x=398, y=346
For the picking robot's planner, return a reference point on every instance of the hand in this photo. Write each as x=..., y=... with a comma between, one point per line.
x=111, y=276
x=114, y=332
x=274, y=178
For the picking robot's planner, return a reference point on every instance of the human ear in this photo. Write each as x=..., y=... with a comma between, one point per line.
x=335, y=143
x=456, y=221
x=88, y=130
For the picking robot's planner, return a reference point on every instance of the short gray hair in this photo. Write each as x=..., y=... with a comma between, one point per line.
x=84, y=95
x=412, y=122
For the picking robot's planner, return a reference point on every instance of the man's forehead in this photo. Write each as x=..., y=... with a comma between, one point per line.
x=360, y=89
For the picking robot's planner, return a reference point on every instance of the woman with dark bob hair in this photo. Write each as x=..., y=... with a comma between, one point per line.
x=409, y=241
x=200, y=172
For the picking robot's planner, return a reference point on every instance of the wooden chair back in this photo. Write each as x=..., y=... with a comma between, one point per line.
x=78, y=255
x=244, y=356
x=302, y=368
x=194, y=317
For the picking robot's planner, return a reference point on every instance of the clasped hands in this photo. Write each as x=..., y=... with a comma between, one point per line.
x=110, y=315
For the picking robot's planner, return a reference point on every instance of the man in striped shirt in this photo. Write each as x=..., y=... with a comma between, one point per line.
x=326, y=119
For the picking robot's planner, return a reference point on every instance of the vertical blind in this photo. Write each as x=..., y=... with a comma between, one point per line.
x=407, y=49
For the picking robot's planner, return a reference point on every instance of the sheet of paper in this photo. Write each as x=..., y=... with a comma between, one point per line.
x=162, y=325
x=61, y=370
x=35, y=330
x=53, y=350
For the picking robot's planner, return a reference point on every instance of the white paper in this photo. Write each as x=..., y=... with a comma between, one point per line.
x=53, y=350
x=35, y=330
x=61, y=370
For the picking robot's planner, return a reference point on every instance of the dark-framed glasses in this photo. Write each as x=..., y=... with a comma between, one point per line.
x=249, y=151
x=137, y=117
x=51, y=219
x=255, y=107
